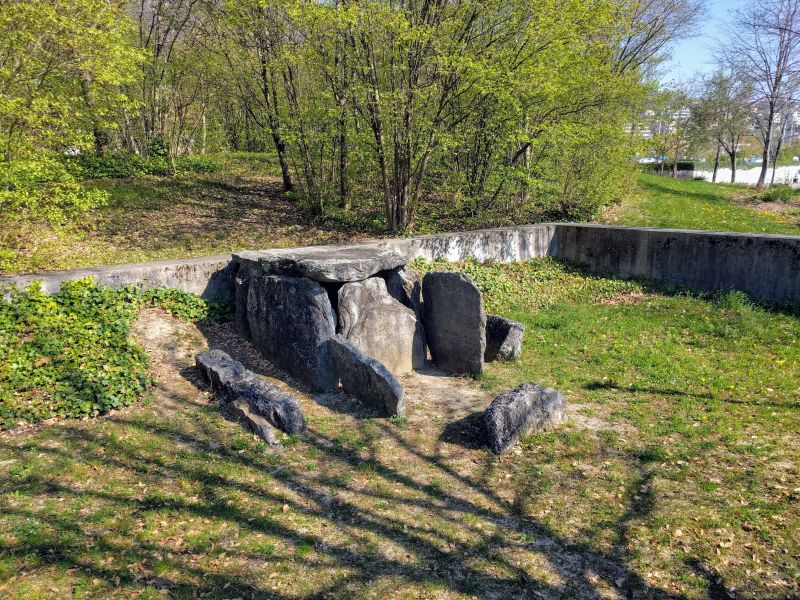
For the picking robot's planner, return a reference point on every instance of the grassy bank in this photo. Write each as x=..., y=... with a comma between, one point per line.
x=677, y=475
x=682, y=204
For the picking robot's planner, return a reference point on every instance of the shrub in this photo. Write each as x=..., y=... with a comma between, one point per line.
x=43, y=188
x=779, y=193
x=70, y=354
x=126, y=164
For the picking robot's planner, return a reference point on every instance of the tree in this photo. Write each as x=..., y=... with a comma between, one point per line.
x=763, y=49
x=62, y=65
x=724, y=113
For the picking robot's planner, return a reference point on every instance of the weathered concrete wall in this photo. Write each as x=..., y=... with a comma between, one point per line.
x=210, y=277
x=765, y=266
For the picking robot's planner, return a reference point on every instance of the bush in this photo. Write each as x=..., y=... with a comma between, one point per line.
x=43, y=187
x=118, y=165
x=780, y=193
x=126, y=164
x=70, y=354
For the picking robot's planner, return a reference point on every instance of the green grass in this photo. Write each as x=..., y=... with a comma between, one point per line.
x=676, y=476
x=674, y=203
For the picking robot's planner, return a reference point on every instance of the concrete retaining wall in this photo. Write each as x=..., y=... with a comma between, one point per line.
x=765, y=266
x=210, y=277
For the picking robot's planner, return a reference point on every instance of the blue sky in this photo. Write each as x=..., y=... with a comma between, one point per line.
x=693, y=56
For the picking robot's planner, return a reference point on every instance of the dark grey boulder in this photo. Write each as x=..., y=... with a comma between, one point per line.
x=233, y=382
x=503, y=339
x=380, y=326
x=330, y=263
x=291, y=322
x=367, y=379
x=220, y=369
x=454, y=321
x=525, y=409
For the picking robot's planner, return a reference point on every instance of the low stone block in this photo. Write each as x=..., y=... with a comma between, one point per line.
x=367, y=379
x=291, y=322
x=380, y=326
x=454, y=321
x=233, y=382
x=503, y=339
x=525, y=409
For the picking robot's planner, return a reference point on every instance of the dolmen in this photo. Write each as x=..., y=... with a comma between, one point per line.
x=359, y=316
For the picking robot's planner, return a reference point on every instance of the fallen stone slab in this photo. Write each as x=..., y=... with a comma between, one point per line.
x=503, y=339
x=329, y=264
x=380, y=326
x=291, y=321
x=367, y=379
x=525, y=409
x=255, y=422
x=454, y=321
x=234, y=383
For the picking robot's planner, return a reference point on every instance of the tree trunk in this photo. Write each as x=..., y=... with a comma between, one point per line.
x=762, y=178
x=733, y=166
x=716, y=164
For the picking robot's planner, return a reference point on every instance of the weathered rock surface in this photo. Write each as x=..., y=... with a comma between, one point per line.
x=329, y=263
x=233, y=382
x=405, y=285
x=257, y=424
x=380, y=326
x=455, y=321
x=291, y=322
x=503, y=339
x=525, y=409
x=367, y=379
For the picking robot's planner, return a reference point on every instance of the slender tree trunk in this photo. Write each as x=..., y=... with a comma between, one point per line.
x=716, y=164
x=762, y=178
x=271, y=104
x=733, y=166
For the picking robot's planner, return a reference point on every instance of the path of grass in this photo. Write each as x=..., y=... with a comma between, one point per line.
x=674, y=203
x=677, y=477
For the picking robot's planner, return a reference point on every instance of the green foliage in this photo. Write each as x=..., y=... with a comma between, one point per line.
x=44, y=188
x=127, y=164
x=780, y=193
x=70, y=354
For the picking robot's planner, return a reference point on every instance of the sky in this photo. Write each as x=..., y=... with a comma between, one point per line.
x=694, y=56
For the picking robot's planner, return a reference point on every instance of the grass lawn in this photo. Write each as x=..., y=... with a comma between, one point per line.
x=677, y=475
x=682, y=204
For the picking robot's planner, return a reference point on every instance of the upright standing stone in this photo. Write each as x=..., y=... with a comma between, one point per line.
x=291, y=322
x=527, y=408
x=367, y=379
x=380, y=326
x=404, y=285
x=455, y=321
x=503, y=339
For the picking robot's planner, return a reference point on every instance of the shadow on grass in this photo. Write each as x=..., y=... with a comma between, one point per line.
x=230, y=487
x=666, y=188
x=638, y=389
